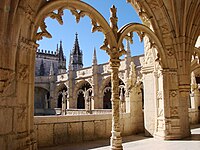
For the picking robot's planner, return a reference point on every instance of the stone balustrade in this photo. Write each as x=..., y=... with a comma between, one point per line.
x=55, y=130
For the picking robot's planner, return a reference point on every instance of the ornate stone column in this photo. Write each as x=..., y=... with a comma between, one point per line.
x=116, y=140
x=70, y=101
x=63, y=111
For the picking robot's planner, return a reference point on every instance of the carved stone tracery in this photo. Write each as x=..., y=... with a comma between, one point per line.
x=7, y=78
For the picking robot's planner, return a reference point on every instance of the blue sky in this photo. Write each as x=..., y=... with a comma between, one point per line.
x=87, y=40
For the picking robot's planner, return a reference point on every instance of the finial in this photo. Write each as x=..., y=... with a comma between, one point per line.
x=114, y=19
x=76, y=35
x=113, y=10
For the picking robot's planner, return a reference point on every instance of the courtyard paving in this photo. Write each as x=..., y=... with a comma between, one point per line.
x=139, y=142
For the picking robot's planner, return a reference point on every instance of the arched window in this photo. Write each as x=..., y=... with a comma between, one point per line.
x=81, y=95
x=107, y=94
x=60, y=95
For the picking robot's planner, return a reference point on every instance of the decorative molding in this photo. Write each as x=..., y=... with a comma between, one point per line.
x=57, y=16
x=170, y=52
x=141, y=35
x=44, y=32
x=96, y=26
x=23, y=72
x=6, y=81
x=174, y=111
x=105, y=45
x=77, y=13
x=173, y=93
x=159, y=95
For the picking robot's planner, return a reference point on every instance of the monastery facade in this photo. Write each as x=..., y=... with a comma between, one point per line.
x=81, y=88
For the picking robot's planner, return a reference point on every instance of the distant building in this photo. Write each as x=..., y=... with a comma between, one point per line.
x=86, y=88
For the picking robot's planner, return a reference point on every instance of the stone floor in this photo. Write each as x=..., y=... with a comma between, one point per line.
x=139, y=142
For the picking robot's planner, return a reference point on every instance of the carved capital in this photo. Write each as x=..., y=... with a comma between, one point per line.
x=114, y=63
x=26, y=44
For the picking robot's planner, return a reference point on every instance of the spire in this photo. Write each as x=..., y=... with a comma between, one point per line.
x=60, y=53
x=94, y=59
x=76, y=49
x=51, y=71
x=76, y=56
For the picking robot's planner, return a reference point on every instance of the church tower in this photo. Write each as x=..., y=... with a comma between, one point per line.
x=61, y=59
x=76, y=56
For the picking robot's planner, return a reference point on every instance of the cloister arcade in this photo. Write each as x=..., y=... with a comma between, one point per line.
x=170, y=30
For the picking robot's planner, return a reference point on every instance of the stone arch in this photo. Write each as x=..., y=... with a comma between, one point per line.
x=106, y=91
x=143, y=30
x=43, y=86
x=79, y=9
x=59, y=89
x=41, y=98
x=79, y=93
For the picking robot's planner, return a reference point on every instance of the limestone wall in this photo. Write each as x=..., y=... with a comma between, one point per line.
x=194, y=116
x=56, y=130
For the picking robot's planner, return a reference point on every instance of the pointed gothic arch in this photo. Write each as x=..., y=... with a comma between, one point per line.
x=59, y=90
x=107, y=92
x=80, y=91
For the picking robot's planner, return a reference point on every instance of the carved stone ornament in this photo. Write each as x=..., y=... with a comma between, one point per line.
x=173, y=93
x=129, y=37
x=53, y=15
x=114, y=19
x=141, y=35
x=29, y=12
x=160, y=112
x=6, y=82
x=105, y=45
x=57, y=16
x=144, y=16
x=23, y=72
x=77, y=13
x=170, y=52
x=96, y=26
x=159, y=94
x=44, y=32
x=174, y=111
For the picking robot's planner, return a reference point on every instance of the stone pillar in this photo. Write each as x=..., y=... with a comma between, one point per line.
x=96, y=104
x=116, y=140
x=172, y=121
x=149, y=99
x=70, y=97
x=52, y=94
x=195, y=99
x=150, y=87
x=19, y=102
x=134, y=101
x=63, y=110
x=197, y=105
x=184, y=91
